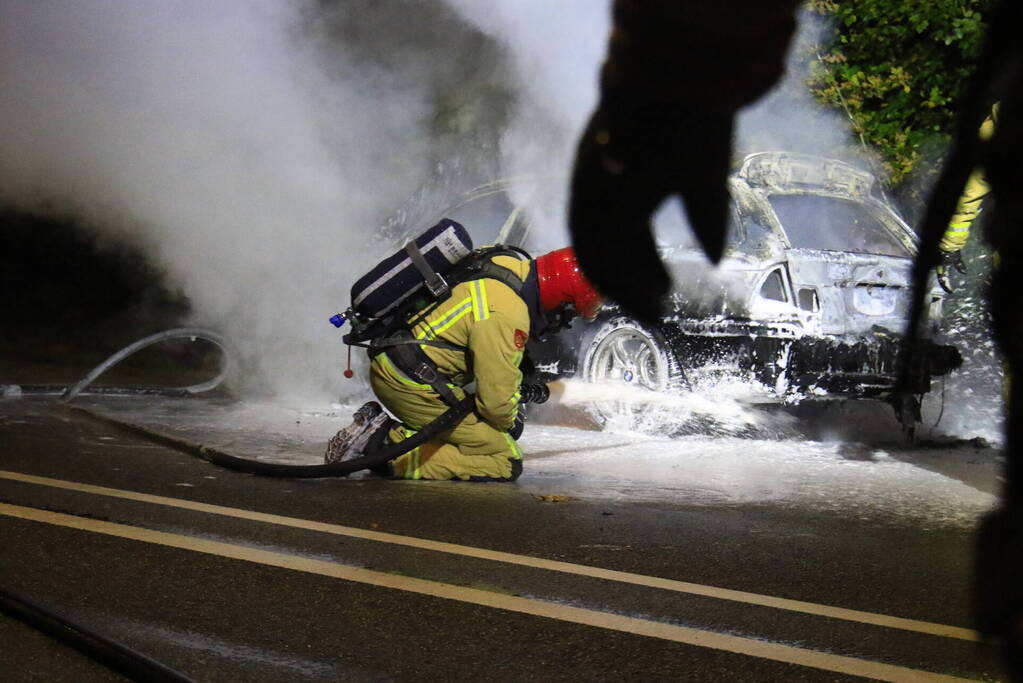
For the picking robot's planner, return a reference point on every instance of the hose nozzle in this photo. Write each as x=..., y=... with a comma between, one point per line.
x=534, y=393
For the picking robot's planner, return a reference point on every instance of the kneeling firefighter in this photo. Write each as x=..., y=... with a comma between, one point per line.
x=459, y=317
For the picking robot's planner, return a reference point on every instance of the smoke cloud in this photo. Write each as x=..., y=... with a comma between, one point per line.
x=247, y=148
x=556, y=53
x=789, y=119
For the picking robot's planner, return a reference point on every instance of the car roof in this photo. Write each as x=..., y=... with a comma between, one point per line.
x=787, y=172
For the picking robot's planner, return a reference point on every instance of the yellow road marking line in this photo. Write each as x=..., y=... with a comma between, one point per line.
x=522, y=560
x=576, y=615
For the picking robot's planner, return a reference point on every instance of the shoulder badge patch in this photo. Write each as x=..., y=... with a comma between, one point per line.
x=520, y=339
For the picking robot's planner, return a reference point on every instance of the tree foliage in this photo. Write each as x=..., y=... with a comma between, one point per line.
x=898, y=69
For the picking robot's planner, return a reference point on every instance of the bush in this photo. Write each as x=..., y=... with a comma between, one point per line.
x=898, y=69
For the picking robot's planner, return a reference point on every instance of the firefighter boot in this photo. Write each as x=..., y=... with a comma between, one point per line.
x=351, y=441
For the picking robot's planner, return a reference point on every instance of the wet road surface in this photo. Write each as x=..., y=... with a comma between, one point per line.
x=226, y=576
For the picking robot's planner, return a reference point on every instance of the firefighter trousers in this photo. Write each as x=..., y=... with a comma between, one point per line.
x=472, y=450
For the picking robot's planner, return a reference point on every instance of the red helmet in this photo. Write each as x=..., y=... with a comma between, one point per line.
x=562, y=282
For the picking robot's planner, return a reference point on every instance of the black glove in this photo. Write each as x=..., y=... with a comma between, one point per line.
x=528, y=393
x=953, y=259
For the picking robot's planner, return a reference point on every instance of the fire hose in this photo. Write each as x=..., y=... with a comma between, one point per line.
x=191, y=333
x=535, y=393
x=389, y=452
x=530, y=393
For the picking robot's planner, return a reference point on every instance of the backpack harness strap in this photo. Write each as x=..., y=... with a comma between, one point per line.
x=501, y=274
x=434, y=282
x=406, y=352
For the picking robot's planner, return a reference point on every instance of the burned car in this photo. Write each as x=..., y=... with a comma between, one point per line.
x=809, y=301
x=811, y=298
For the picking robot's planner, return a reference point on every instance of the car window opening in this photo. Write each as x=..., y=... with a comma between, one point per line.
x=773, y=287
x=834, y=224
x=808, y=300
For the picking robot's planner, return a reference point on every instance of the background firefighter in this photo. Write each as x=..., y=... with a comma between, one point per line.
x=970, y=204
x=487, y=323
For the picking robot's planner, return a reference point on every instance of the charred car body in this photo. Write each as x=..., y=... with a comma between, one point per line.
x=810, y=300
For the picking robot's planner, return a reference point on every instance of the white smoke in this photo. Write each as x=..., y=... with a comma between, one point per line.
x=790, y=119
x=209, y=135
x=555, y=50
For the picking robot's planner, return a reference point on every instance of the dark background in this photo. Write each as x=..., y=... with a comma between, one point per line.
x=70, y=300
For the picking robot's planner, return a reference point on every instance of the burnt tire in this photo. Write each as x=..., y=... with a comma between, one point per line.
x=626, y=359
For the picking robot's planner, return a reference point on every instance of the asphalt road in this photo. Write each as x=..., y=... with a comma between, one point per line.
x=228, y=577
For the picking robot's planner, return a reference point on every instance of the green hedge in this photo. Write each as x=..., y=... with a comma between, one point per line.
x=898, y=68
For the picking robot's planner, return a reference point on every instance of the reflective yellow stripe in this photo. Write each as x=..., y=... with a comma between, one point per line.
x=479, y=300
x=412, y=466
x=514, y=445
x=477, y=303
x=959, y=227
x=517, y=396
x=413, y=471
x=446, y=320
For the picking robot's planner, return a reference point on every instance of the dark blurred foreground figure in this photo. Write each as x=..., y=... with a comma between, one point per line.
x=998, y=579
x=675, y=76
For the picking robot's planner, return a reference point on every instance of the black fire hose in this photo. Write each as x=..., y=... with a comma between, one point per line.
x=530, y=393
x=533, y=393
x=445, y=421
x=120, y=658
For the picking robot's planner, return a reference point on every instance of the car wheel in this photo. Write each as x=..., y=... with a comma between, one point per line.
x=625, y=360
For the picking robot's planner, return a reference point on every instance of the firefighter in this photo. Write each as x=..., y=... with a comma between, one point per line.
x=493, y=320
x=966, y=212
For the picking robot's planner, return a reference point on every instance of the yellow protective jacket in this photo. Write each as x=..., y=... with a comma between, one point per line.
x=969, y=205
x=492, y=321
